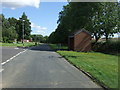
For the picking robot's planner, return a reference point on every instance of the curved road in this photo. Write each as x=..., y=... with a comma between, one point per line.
x=40, y=67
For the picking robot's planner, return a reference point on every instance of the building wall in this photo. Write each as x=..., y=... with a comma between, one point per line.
x=82, y=42
x=71, y=43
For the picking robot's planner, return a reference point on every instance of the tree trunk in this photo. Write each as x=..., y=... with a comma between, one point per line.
x=106, y=37
x=96, y=38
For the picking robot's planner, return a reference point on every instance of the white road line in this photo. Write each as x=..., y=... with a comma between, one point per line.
x=13, y=57
x=1, y=70
x=16, y=48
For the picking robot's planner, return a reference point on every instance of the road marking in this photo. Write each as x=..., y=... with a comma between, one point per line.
x=16, y=48
x=1, y=70
x=13, y=57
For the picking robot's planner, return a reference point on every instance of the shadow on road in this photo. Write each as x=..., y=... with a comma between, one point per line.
x=42, y=47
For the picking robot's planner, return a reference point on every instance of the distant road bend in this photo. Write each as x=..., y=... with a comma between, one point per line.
x=40, y=67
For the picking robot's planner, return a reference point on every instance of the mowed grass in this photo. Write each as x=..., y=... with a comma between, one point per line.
x=57, y=46
x=26, y=44
x=103, y=67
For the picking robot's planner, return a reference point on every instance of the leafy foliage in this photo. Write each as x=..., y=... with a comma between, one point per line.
x=24, y=22
x=12, y=28
x=8, y=29
x=110, y=47
x=100, y=18
x=39, y=38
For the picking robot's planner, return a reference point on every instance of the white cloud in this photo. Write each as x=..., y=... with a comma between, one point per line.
x=13, y=4
x=38, y=29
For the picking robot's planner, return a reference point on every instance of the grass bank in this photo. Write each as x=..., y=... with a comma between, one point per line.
x=58, y=47
x=103, y=67
x=26, y=44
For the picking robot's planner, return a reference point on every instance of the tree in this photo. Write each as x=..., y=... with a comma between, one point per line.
x=51, y=38
x=8, y=29
x=39, y=38
x=12, y=21
x=12, y=28
x=95, y=25
x=109, y=19
x=23, y=20
x=100, y=18
x=74, y=16
x=104, y=21
x=9, y=34
x=1, y=19
x=45, y=39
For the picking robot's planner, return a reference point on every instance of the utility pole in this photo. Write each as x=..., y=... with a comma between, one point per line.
x=23, y=32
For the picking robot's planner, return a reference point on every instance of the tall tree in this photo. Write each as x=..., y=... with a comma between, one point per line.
x=8, y=30
x=23, y=23
x=9, y=35
x=95, y=23
x=1, y=20
x=109, y=18
x=74, y=16
x=100, y=18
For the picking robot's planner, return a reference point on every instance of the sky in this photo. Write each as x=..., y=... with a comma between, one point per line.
x=42, y=15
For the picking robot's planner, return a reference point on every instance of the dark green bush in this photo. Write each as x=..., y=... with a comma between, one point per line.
x=5, y=39
x=10, y=41
x=107, y=47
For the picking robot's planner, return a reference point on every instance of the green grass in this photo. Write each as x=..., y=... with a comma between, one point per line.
x=56, y=46
x=103, y=67
x=26, y=44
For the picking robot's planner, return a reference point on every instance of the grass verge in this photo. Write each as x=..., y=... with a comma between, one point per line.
x=58, y=47
x=26, y=44
x=103, y=67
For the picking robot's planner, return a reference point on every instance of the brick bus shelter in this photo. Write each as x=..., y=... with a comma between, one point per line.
x=80, y=41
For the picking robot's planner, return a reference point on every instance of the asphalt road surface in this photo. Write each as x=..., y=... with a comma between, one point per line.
x=8, y=52
x=41, y=67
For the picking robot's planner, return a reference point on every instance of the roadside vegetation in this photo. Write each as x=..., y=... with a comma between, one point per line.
x=58, y=47
x=26, y=44
x=101, y=63
x=101, y=66
x=12, y=31
x=99, y=18
x=110, y=47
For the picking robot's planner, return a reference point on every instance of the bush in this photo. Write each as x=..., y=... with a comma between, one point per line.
x=10, y=41
x=107, y=47
x=5, y=39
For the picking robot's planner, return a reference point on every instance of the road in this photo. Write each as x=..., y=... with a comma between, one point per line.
x=40, y=67
x=8, y=52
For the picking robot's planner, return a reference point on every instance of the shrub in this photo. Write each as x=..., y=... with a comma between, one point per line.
x=107, y=47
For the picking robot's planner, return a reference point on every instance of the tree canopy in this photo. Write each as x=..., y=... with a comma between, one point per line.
x=100, y=18
x=12, y=28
